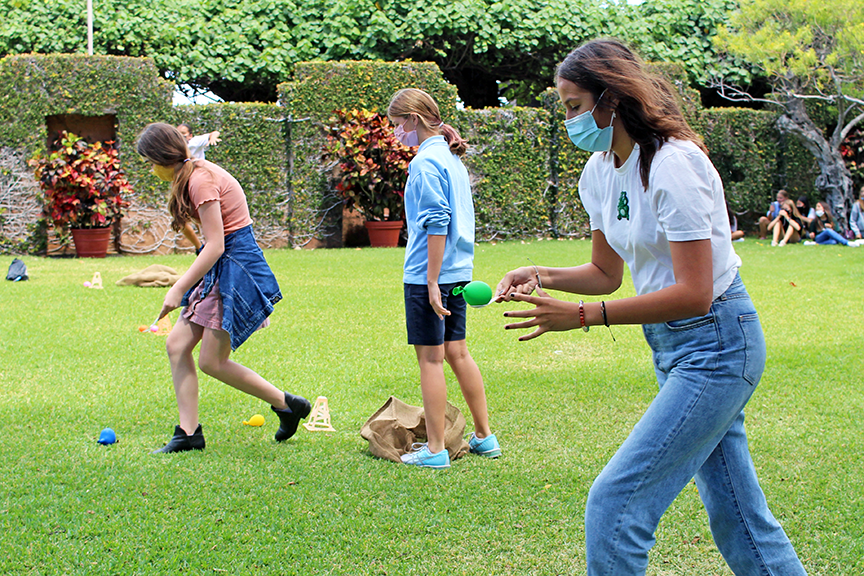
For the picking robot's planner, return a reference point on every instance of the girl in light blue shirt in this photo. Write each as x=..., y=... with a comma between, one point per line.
x=439, y=257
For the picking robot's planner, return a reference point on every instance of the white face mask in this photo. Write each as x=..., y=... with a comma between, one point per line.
x=820, y=213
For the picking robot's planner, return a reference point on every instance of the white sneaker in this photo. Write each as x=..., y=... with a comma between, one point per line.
x=809, y=243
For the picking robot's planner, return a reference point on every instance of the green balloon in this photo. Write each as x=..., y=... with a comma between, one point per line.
x=476, y=293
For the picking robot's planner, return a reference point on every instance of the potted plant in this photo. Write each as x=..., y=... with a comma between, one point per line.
x=82, y=191
x=370, y=168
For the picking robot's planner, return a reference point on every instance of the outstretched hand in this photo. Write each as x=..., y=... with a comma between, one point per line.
x=520, y=281
x=548, y=315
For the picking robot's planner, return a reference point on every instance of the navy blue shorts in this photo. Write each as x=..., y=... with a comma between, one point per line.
x=424, y=326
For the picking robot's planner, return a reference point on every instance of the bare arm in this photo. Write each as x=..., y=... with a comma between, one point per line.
x=600, y=276
x=189, y=233
x=691, y=295
x=214, y=234
x=435, y=251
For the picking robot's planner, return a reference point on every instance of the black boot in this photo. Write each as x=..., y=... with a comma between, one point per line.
x=298, y=408
x=182, y=442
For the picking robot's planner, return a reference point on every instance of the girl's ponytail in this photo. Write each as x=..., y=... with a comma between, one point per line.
x=458, y=145
x=180, y=205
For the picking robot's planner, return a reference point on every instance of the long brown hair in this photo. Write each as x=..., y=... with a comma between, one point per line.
x=413, y=101
x=645, y=103
x=162, y=144
x=828, y=216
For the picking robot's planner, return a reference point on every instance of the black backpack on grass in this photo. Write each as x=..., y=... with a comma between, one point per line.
x=17, y=271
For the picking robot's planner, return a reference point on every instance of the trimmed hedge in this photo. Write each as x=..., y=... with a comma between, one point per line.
x=742, y=144
x=524, y=170
x=35, y=86
x=508, y=161
x=253, y=149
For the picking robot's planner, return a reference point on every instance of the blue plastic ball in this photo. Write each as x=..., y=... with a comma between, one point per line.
x=107, y=436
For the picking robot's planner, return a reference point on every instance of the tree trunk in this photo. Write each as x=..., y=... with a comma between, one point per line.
x=834, y=181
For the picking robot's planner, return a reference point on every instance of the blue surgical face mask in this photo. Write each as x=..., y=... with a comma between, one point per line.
x=584, y=132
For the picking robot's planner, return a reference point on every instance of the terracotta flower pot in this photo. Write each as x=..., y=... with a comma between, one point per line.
x=91, y=242
x=384, y=234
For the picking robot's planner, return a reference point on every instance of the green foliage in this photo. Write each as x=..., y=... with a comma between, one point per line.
x=802, y=45
x=317, y=90
x=488, y=48
x=681, y=31
x=809, y=51
x=35, y=86
x=82, y=184
x=508, y=159
x=742, y=145
x=253, y=150
x=525, y=171
x=370, y=164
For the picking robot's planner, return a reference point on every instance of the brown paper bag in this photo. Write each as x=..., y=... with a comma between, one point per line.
x=394, y=427
x=155, y=275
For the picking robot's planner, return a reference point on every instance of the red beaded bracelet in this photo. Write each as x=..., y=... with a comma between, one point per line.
x=582, y=316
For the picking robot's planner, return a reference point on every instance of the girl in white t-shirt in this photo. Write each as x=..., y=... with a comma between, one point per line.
x=656, y=203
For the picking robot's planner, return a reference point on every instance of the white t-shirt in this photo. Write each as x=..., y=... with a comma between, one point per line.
x=684, y=201
x=198, y=145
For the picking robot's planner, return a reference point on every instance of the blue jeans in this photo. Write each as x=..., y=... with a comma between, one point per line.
x=830, y=236
x=707, y=369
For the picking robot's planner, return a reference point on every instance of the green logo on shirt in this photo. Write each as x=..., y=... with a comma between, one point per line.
x=623, y=206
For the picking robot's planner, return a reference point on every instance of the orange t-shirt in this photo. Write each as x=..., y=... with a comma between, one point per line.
x=223, y=187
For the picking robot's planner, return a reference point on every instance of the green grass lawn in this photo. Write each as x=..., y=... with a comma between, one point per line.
x=73, y=362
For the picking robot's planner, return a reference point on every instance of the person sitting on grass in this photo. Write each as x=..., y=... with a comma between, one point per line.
x=228, y=292
x=821, y=229
x=786, y=227
x=807, y=213
x=733, y=224
x=772, y=213
x=856, y=218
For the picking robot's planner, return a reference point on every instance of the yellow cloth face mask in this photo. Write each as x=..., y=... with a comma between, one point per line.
x=163, y=172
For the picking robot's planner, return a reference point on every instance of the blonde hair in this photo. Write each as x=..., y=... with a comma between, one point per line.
x=790, y=207
x=163, y=145
x=413, y=101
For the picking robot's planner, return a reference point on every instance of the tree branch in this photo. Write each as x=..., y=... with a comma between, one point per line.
x=852, y=123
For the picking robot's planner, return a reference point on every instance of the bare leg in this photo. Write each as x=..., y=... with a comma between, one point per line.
x=181, y=342
x=763, y=227
x=214, y=361
x=434, y=390
x=778, y=229
x=471, y=382
x=789, y=232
